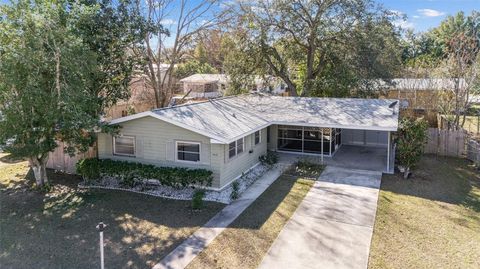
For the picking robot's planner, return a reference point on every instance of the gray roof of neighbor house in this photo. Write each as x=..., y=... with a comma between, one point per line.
x=205, y=78
x=422, y=84
x=230, y=118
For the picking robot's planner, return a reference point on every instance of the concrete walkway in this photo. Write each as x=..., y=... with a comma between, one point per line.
x=333, y=226
x=181, y=256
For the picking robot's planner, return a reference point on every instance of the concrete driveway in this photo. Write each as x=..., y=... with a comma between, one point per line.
x=333, y=226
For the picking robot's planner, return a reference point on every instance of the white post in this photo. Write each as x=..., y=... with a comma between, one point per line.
x=388, y=152
x=100, y=228
x=330, y=146
x=322, y=145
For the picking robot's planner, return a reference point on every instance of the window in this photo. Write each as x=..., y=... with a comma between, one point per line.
x=236, y=147
x=188, y=151
x=124, y=145
x=240, y=145
x=257, y=137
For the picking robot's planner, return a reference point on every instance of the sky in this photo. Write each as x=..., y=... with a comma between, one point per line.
x=426, y=14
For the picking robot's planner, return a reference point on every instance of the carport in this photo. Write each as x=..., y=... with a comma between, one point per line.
x=350, y=148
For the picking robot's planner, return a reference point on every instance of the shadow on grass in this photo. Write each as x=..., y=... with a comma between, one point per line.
x=57, y=229
x=444, y=179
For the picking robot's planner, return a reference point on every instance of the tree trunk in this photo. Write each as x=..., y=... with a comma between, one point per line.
x=39, y=167
x=406, y=173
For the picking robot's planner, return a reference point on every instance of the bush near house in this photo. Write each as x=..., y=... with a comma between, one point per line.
x=268, y=159
x=93, y=168
x=412, y=136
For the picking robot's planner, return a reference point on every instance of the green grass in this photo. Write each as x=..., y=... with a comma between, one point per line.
x=57, y=229
x=245, y=242
x=431, y=220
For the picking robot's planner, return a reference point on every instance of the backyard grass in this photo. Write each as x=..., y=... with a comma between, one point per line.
x=244, y=243
x=431, y=220
x=57, y=229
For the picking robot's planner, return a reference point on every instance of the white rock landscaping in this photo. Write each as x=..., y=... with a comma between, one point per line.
x=154, y=188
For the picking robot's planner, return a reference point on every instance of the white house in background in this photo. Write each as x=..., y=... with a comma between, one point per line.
x=215, y=85
x=227, y=135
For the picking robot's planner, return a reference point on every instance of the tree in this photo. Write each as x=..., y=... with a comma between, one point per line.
x=193, y=67
x=310, y=43
x=412, y=136
x=173, y=26
x=57, y=75
x=459, y=38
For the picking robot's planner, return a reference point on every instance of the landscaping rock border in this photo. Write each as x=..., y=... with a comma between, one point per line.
x=222, y=196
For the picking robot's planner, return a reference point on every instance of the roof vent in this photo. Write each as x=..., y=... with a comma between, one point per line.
x=392, y=106
x=233, y=114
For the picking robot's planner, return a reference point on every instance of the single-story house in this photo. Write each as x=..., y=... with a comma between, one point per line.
x=227, y=135
x=421, y=96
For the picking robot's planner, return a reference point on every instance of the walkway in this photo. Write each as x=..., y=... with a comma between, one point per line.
x=333, y=226
x=181, y=256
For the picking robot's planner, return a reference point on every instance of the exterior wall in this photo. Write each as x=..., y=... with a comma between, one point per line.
x=364, y=137
x=234, y=167
x=273, y=137
x=418, y=103
x=155, y=144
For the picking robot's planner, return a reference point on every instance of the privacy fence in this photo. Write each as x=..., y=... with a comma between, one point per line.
x=61, y=161
x=458, y=143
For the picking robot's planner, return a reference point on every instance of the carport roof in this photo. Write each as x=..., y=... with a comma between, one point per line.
x=230, y=118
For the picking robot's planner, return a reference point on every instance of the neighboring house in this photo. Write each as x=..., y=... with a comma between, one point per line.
x=214, y=85
x=419, y=97
x=204, y=85
x=142, y=96
x=227, y=135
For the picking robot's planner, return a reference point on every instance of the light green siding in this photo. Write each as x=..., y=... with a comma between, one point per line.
x=273, y=138
x=155, y=144
x=237, y=165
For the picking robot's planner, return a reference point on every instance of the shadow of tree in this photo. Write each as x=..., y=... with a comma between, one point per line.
x=443, y=179
x=57, y=229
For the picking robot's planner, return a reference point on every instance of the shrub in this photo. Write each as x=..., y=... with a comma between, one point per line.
x=412, y=136
x=269, y=159
x=197, y=199
x=168, y=176
x=88, y=169
x=306, y=168
x=235, y=188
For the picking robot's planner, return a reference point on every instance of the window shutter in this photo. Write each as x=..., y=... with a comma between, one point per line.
x=170, y=151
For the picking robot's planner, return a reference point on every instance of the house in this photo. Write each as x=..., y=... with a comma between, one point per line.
x=204, y=85
x=215, y=85
x=227, y=135
x=142, y=95
x=420, y=97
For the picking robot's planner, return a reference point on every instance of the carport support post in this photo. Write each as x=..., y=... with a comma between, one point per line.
x=322, y=146
x=388, y=152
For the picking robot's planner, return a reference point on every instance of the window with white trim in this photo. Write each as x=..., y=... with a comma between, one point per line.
x=124, y=145
x=236, y=147
x=188, y=151
x=258, y=137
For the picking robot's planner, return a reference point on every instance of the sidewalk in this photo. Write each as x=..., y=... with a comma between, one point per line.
x=181, y=256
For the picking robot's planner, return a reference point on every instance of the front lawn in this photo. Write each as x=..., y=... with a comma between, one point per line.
x=57, y=229
x=431, y=220
x=244, y=242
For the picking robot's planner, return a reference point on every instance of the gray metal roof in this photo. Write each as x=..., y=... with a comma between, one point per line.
x=229, y=118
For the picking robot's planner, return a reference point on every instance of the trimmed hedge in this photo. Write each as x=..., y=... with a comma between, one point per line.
x=177, y=177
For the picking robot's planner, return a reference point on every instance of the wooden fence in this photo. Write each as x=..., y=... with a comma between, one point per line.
x=446, y=142
x=61, y=161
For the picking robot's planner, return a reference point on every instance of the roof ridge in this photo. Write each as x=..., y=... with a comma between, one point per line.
x=198, y=103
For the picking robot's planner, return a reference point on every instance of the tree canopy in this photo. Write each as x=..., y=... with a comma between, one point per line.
x=58, y=73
